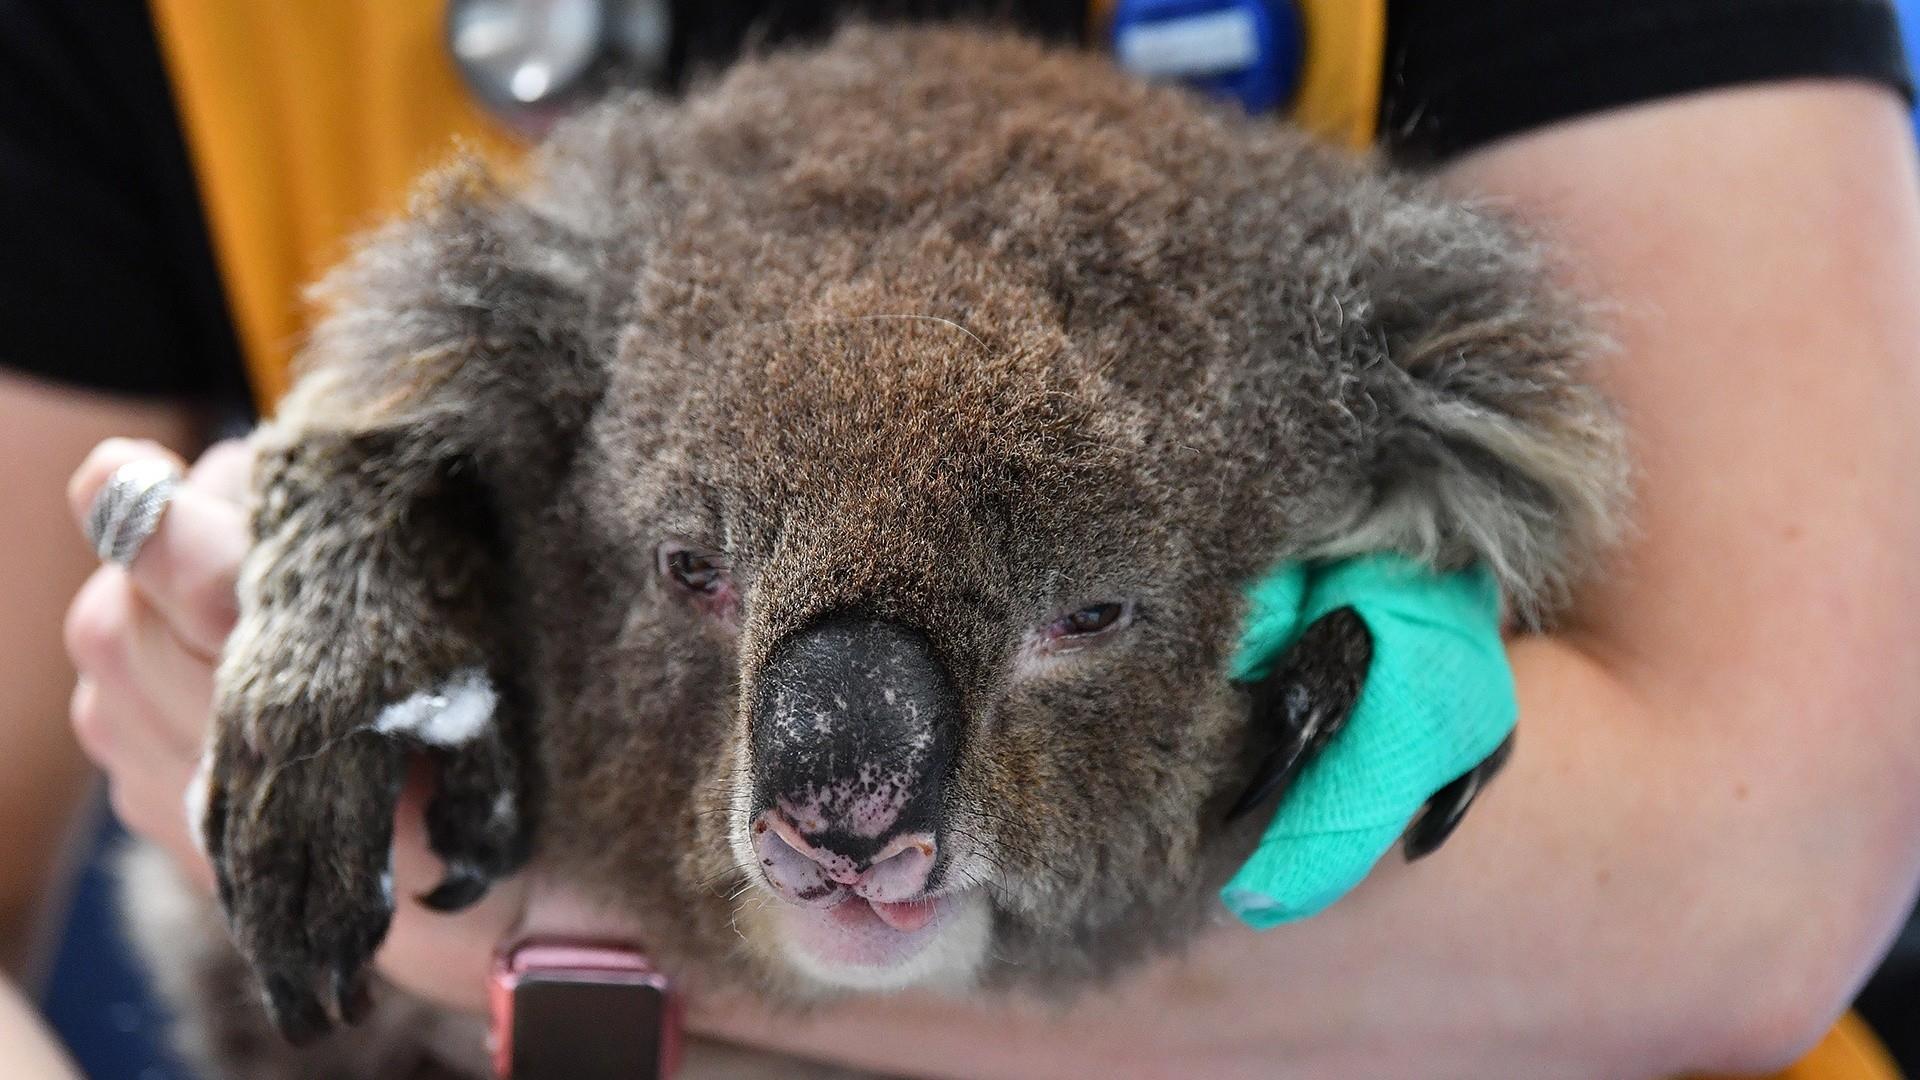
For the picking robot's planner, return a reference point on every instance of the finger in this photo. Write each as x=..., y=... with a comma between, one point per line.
x=145, y=766
x=102, y=460
x=447, y=959
x=177, y=680
x=225, y=470
x=147, y=786
x=416, y=869
x=92, y=727
x=118, y=643
x=96, y=636
x=186, y=569
x=138, y=744
x=152, y=810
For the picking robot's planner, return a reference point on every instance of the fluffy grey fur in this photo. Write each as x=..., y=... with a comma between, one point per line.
x=932, y=325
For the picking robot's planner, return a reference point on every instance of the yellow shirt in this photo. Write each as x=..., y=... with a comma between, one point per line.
x=308, y=122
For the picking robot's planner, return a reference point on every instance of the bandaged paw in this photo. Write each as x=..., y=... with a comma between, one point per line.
x=1437, y=701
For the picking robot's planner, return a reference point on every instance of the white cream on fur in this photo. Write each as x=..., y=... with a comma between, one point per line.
x=454, y=714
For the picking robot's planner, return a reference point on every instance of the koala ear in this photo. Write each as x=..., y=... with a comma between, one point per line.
x=466, y=328
x=1493, y=446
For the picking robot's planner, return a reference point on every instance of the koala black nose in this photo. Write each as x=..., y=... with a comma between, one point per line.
x=851, y=737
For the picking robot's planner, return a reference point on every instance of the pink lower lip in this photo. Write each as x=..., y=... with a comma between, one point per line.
x=905, y=917
x=860, y=933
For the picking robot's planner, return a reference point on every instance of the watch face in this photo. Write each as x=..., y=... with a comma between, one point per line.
x=570, y=1027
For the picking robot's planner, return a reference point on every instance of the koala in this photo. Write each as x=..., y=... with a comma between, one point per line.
x=813, y=519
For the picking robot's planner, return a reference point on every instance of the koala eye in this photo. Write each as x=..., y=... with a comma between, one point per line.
x=696, y=571
x=1089, y=622
x=1087, y=628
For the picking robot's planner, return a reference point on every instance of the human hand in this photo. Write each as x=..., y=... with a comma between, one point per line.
x=146, y=638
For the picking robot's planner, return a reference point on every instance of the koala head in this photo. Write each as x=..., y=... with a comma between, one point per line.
x=863, y=461
x=965, y=639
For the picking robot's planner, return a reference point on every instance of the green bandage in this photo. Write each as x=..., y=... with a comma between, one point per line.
x=1438, y=700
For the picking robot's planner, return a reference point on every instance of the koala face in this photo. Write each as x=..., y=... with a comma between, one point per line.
x=956, y=648
x=848, y=479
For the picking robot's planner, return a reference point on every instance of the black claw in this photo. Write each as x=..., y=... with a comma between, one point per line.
x=347, y=974
x=1448, y=807
x=213, y=827
x=1275, y=771
x=462, y=888
x=223, y=885
x=352, y=996
x=1308, y=700
x=295, y=1010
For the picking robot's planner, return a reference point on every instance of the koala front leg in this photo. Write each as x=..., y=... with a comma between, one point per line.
x=368, y=630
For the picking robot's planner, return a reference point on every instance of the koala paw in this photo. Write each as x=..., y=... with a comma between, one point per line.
x=300, y=831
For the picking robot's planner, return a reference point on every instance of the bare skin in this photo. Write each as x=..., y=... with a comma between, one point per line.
x=1712, y=822
x=43, y=430
x=27, y=1050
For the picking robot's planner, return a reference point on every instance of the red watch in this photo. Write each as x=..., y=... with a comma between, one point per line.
x=568, y=1009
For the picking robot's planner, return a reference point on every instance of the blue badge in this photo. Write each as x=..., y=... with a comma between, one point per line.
x=1909, y=15
x=1247, y=50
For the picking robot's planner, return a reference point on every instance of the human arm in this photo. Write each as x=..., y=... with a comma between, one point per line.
x=110, y=324
x=44, y=778
x=27, y=1049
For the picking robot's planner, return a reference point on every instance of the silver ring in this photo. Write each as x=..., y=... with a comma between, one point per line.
x=128, y=509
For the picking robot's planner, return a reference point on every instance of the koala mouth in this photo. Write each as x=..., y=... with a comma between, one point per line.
x=861, y=933
x=875, y=928
x=906, y=917
x=861, y=944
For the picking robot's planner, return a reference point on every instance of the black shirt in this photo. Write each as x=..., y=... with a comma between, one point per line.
x=109, y=279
